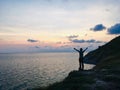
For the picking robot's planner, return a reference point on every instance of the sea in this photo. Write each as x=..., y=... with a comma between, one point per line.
x=24, y=71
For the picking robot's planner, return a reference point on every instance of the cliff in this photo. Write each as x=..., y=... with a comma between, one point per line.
x=105, y=55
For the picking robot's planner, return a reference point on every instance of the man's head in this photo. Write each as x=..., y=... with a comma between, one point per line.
x=81, y=49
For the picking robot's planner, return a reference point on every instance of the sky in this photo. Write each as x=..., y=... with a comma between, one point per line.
x=57, y=25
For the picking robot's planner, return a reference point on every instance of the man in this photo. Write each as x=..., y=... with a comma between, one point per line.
x=81, y=52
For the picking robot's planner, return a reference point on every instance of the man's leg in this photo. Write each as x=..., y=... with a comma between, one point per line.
x=82, y=64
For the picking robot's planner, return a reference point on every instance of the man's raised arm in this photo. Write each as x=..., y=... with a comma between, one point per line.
x=85, y=49
x=76, y=49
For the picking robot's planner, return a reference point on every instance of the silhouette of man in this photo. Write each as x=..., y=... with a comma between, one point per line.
x=81, y=52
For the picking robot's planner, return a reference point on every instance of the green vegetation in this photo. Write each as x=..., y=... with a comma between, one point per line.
x=104, y=76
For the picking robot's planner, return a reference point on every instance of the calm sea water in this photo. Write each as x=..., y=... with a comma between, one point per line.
x=22, y=71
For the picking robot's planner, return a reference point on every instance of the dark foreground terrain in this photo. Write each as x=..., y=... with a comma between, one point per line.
x=104, y=76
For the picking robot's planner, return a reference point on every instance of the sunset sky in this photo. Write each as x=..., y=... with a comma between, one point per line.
x=57, y=25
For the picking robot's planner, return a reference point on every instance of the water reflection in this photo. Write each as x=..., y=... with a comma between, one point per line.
x=32, y=70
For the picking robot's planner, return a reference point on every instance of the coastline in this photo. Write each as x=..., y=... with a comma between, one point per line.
x=104, y=76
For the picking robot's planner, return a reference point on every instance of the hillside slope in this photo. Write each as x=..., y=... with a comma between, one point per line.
x=109, y=50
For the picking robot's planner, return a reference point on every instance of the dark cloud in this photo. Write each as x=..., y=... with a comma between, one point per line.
x=37, y=47
x=32, y=40
x=73, y=39
x=85, y=41
x=114, y=29
x=91, y=41
x=73, y=36
x=78, y=41
x=98, y=27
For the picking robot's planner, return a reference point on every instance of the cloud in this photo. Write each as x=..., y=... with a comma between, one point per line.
x=86, y=41
x=78, y=41
x=73, y=39
x=37, y=47
x=114, y=29
x=32, y=40
x=72, y=36
x=98, y=27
